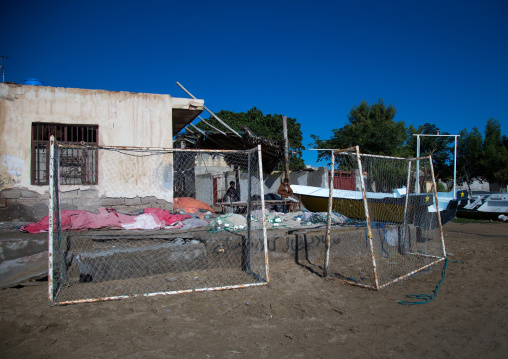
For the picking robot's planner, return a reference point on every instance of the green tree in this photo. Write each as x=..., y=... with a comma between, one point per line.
x=371, y=127
x=494, y=157
x=441, y=148
x=484, y=158
x=267, y=126
x=469, y=152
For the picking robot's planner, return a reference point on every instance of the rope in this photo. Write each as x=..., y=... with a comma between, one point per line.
x=382, y=236
x=380, y=227
x=426, y=298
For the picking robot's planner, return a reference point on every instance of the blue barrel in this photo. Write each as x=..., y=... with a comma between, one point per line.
x=34, y=82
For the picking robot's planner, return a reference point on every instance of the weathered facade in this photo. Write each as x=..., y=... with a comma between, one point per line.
x=30, y=114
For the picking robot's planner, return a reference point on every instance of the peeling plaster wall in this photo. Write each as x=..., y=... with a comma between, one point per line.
x=124, y=119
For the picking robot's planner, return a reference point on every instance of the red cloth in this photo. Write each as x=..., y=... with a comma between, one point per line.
x=80, y=220
x=166, y=216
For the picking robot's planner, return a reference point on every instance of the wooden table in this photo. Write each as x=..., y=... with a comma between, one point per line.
x=242, y=205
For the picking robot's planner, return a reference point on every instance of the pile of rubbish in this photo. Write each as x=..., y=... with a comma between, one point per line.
x=297, y=219
x=236, y=222
x=228, y=222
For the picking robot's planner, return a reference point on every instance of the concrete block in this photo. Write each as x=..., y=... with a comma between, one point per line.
x=16, y=271
x=28, y=201
x=112, y=201
x=82, y=203
x=69, y=194
x=149, y=200
x=68, y=206
x=406, y=242
x=40, y=209
x=163, y=204
x=89, y=193
x=11, y=193
x=138, y=262
x=11, y=201
x=23, y=247
x=18, y=212
x=133, y=201
x=30, y=194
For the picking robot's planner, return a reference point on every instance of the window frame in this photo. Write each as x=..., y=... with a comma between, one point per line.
x=76, y=134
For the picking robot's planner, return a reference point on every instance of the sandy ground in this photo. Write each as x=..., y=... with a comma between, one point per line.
x=298, y=315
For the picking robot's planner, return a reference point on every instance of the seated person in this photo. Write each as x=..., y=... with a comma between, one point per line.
x=231, y=194
x=286, y=192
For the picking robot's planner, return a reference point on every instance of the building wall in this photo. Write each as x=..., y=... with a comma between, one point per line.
x=124, y=119
x=483, y=186
x=317, y=177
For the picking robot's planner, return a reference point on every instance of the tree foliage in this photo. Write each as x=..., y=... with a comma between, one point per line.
x=494, y=157
x=268, y=126
x=484, y=158
x=440, y=148
x=469, y=149
x=372, y=127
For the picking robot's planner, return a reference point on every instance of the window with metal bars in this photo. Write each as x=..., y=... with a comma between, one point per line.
x=77, y=165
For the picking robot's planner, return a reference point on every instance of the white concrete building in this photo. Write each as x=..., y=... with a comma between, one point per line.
x=29, y=115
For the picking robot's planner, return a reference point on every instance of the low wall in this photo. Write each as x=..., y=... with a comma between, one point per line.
x=303, y=246
x=20, y=204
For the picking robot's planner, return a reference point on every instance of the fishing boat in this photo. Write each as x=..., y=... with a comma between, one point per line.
x=383, y=207
x=419, y=209
x=485, y=206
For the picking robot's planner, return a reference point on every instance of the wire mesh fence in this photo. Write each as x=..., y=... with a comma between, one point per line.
x=393, y=228
x=151, y=223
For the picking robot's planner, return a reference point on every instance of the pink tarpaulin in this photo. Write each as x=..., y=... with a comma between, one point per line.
x=166, y=216
x=76, y=220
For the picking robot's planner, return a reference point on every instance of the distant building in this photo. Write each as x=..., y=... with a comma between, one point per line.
x=484, y=186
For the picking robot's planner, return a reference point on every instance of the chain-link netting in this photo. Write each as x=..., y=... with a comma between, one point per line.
x=155, y=221
x=393, y=228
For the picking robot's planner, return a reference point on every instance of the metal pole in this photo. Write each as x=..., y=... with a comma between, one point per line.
x=286, y=144
x=2, y=66
x=211, y=113
x=246, y=246
x=329, y=219
x=403, y=242
x=367, y=219
x=437, y=207
x=454, y=158
x=197, y=128
x=215, y=128
x=417, y=164
x=455, y=170
x=51, y=284
x=263, y=211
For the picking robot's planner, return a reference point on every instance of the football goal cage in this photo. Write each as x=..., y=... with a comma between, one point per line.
x=393, y=229
x=127, y=222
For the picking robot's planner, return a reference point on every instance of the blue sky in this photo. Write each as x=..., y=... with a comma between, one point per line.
x=442, y=62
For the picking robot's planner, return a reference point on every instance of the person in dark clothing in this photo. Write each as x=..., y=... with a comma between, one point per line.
x=232, y=194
